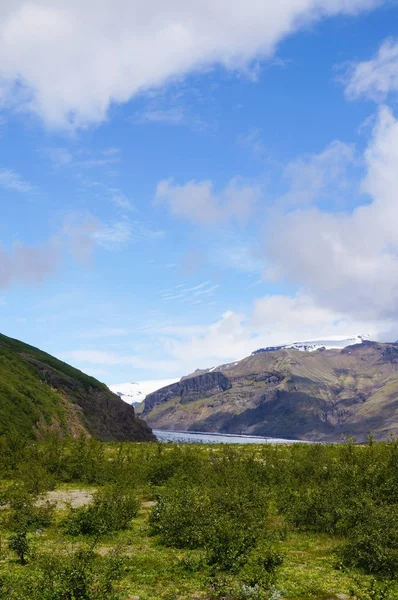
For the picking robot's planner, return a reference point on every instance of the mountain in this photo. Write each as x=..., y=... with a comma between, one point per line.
x=135, y=392
x=41, y=394
x=288, y=393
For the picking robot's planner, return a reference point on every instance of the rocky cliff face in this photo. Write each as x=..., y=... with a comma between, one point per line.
x=188, y=390
x=319, y=395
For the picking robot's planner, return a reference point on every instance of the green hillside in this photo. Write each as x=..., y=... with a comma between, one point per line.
x=40, y=394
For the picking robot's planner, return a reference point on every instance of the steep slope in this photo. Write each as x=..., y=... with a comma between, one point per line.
x=39, y=393
x=319, y=395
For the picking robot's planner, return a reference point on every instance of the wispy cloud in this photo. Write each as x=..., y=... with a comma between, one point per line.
x=114, y=236
x=11, y=180
x=81, y=157
x=375, y=78
x=170, y=116
x=252, y=140
x=190, y=294
x=120, y=200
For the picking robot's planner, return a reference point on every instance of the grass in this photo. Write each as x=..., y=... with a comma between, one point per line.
x=18, y=347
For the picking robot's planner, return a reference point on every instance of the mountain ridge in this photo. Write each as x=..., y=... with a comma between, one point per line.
x=319, y=395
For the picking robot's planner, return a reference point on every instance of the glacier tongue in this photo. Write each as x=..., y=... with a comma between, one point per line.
x=136, y=391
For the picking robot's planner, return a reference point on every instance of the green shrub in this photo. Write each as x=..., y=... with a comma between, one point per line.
x=19, y=544
x=229, y=544
x=26, y=512
x=111, y=510
x=181, y=516
x=373, y=543
x=81, y=575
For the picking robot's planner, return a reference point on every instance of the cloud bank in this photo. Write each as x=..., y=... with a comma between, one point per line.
x=67, y=62
x=348, y=261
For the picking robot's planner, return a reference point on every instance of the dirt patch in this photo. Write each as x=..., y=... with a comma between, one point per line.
x=64, y=498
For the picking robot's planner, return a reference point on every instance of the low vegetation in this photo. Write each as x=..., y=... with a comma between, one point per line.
x=163, y=521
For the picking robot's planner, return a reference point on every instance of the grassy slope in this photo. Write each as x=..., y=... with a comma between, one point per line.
x=39, y=393
x=24, y=399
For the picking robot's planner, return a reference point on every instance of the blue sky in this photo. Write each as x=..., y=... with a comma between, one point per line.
x=182, y=184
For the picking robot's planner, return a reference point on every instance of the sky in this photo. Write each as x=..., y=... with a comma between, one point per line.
x=183, y=183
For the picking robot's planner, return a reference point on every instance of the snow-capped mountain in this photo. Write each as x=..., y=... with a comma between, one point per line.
x=311, y=346
x=136, y=391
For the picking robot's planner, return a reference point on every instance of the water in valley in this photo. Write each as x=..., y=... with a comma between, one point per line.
x=190, y=437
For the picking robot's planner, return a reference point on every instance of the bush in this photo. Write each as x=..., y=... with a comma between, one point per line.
x=25, y=512
x=229, y=544
x=81, y=575
x=181, y=516
x=373, y=543
x=112, y=510
x=19, y=544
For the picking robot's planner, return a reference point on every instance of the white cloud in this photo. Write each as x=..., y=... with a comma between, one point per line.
x=274, y=319
x=196, y=201
x=377, y=77
x=318, y=176
x=348, y=261
x=10, y=180
x=93, y=53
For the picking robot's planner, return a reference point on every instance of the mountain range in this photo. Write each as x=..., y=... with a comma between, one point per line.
x=41, y=394
x=288, y=392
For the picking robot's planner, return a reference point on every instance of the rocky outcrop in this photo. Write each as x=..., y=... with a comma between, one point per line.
x=189, y=390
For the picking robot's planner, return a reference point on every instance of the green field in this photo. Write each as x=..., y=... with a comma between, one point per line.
x=85, y=520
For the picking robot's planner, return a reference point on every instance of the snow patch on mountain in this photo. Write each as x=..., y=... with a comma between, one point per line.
x=135, y=392
x=338, y=342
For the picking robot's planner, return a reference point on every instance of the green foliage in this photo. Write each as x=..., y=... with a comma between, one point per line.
x=82, y=575
x=19, y=544
x=25, y=510
x=373, y=543
x=221, y=518
x=181, y=515
x=79, y=575
x=112, y=510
